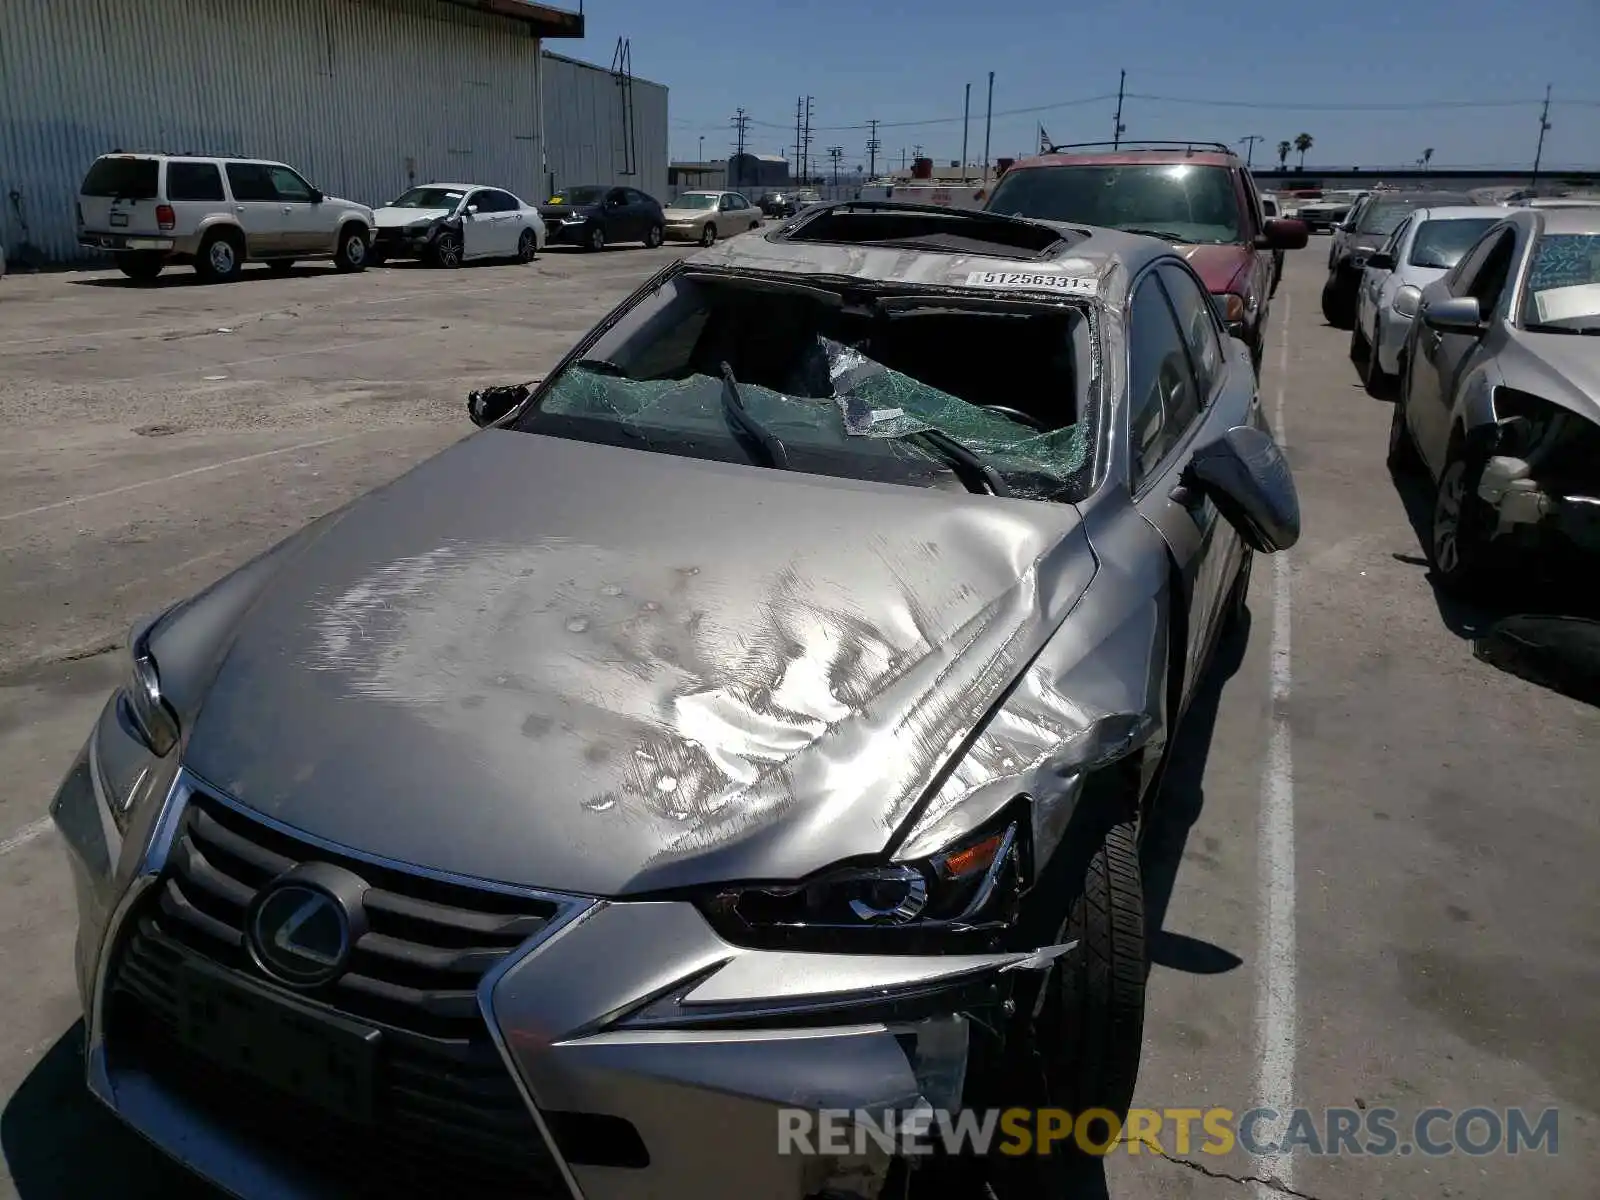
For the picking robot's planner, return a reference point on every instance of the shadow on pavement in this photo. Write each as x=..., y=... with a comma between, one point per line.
x=60, y=1144
x=1178, y=808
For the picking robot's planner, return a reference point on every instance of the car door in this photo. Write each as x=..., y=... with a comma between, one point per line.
x=615, y=216
x=477, y=225
x=309, y=226
x=1373, y=280
x=1178, y=379
x=1443, y=357
x=1251, y=227
x=257, y=210
x=506, y=223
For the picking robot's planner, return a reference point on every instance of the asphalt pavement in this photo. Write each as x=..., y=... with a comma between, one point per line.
x=1374, y=875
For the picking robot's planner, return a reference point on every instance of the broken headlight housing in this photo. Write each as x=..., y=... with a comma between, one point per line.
x=966, y=896
x=136, y=735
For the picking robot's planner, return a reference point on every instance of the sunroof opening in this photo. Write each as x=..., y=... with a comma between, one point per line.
x=915, y=227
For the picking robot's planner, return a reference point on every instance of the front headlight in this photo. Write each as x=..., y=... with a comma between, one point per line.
x=130, y=751
x=1233, y=307
x=965, y=895
x=1407, y=299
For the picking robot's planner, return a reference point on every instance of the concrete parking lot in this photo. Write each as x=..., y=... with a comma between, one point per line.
x=1375, y=877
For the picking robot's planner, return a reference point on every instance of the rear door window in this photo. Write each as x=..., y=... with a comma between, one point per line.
x=193, y=181
x=251, y=183
x=123, y=178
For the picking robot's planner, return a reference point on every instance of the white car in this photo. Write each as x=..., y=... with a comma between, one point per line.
x=150, y=210
x=446, y=224
x=1422, y=248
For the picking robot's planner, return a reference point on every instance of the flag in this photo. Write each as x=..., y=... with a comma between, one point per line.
x=1044, y=141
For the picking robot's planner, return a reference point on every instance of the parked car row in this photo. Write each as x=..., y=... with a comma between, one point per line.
x=1483, y=324
x=153, y=210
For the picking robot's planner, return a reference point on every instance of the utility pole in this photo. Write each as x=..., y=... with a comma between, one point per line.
x=1544, y=128
x=1117, y=127
x=836, y=153
x=902, y=158
x=741, y=124
x=702, y=157
x=799, y=116
x=966, y=111
x=806, y=159
x=1250, y=141
x=988, y=127
x=916, y=151
x=873, y=146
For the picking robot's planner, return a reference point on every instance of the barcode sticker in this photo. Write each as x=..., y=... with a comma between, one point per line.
x=1072, y=285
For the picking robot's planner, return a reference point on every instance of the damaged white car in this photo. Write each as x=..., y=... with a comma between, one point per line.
x=759, y=716
x=1500, y=400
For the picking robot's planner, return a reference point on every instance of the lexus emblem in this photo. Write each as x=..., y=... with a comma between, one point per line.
x=301, y=934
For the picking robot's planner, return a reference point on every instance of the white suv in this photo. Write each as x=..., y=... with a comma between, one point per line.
x=217, y=213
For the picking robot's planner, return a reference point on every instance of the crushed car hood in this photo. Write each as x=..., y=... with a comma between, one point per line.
x=1561, y=367
x=603, y=670
x=397, y=218
x=1217, y=266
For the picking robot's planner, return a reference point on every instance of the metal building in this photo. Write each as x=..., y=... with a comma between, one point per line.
x=603, y=126
x=363, y=96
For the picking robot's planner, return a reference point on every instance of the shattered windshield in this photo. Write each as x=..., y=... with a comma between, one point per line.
x=865, y=390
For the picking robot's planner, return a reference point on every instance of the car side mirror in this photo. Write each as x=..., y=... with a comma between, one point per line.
x=1283, y=233
x=488, y=405
x=1246, y=476
x=1458, y=314
x=1381, y=261
x=316, y=196
x=472, y=210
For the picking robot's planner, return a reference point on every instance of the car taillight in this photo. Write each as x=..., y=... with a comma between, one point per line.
x=165, y=217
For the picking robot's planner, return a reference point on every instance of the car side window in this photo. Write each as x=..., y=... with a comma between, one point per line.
x=193, y=181
x=617, y=196
x=635, y=197
x=1252, y=201
x=1490, y=281
x=1161, y=385
x=1460, y=279
x=288, y=186
x=250, y=182
x=499, y=202
x=1197, y=319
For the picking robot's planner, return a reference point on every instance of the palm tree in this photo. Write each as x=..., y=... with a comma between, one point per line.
x=1302, y=143
x=1427, y=157
x=1283, y=154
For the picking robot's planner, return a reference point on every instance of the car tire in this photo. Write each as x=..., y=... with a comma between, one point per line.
x=350, y=255
x=221, y=257
x=1337, y=302
x=1403, y=458
x=446, y=251
x=1459, y=530
x=280, y=266
x=1360, y=347
x=1091, y=1019
x=596, y=241
x=141, y=266
x=1379, y=383
x=1239, y=594
x=654, y=237
x=527, y=246
x=708, y=235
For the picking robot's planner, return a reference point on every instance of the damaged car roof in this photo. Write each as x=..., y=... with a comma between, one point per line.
x=1081, y=261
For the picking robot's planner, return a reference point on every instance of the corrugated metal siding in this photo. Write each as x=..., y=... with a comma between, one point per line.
x=583, y=112
x=360, y=95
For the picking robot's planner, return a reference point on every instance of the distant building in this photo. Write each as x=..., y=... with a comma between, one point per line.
x=697, y=176
x=749, y=171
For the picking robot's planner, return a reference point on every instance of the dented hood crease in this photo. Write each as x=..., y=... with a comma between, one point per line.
x=609, y=671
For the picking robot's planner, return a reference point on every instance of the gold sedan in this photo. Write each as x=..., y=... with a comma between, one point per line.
x=705, y=216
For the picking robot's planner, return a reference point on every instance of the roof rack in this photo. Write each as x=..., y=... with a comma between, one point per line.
x=928, y=227
x=1133, y=147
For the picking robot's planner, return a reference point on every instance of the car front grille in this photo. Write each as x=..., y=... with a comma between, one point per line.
x=446, y=1117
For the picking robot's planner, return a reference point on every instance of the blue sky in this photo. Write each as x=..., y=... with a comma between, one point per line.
x=908, y=62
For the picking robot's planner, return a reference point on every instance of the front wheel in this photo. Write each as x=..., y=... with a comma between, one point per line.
x=1458, y=538
x=654, y=236
x=1338, y=302
x=527, y=246
x=351, y=253
x=708, y=235
x=597, y=239
x=1403, y=458
x=447, y=250
x=1379, y=383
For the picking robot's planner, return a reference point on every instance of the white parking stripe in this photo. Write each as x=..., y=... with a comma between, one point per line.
x=28, y=833
x=131, y=487
x=1275, y=1007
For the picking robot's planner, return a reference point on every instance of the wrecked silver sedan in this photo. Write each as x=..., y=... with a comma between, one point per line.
x=1500, y=401
x=758, y=718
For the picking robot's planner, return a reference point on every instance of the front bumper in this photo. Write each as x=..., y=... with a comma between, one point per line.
x=681, y=233
x=647, y=1056
x=566, y=233
x=1527, y=509
x=401, y=243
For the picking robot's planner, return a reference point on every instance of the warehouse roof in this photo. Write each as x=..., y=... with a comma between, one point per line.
x=543, y=21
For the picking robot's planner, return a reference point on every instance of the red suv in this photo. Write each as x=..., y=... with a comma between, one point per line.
x=1197, y=195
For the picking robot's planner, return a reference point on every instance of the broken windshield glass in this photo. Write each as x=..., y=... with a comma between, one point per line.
x=852, y=389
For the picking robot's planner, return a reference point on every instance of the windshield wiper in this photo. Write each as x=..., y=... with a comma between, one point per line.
x=962, y=460
x=734, y=410
x=1166, y=235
